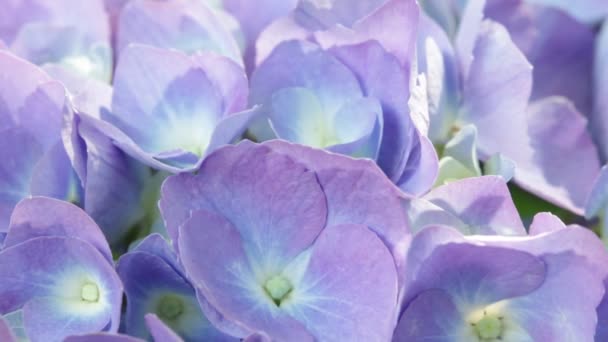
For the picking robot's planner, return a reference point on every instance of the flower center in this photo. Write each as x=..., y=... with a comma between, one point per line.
x=489, y=327
x=278, y=288
x=170, y=308
x=89, y=292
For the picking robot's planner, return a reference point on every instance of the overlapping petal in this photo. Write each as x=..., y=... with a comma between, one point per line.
x=186, y=25
x=160, y=118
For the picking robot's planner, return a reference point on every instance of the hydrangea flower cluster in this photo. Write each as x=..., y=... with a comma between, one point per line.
x=303, y=170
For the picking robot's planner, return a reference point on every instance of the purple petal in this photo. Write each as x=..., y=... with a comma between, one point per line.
x=573, y=239
x=601, y=332
x=437, y=60
x=350, y=303
x=431, y=313
x=150, y=98
x=167, y=103
x=231, y=127
x=54, y=177
x=259, y=191
x=421, y=177
x=158, y=246
x=497, y=89
x=483, y=204
x=375, y=69
x=40, y=216
x=355, y=190
x=87, y=95
x=189, y=26
x=323, y=15
x=45, y=321
x=378, y=25
x=32, y=101
x=572, y=317
x=470, y=24
x=114, y=185
x=149, y=283
x=561, y=162
x=559, y=47
x=332, y=82
x=17, y=170
x=479, y=275
x=252, y=25
x=229, y=78
x=545, y=223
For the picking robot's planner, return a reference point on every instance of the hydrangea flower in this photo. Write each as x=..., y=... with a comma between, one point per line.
x=155, y=282
x=34, y=159
x=277, y=224
x=57, y=272
x=544, y=287
x=335, y=100
x=70, y=33
x=484, y=80
x=159, y=115
x=186, y=25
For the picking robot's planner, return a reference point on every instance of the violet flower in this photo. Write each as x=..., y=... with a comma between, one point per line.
x=335, y=100
x=508, y=288
x=70, y=33
x=158, y=115
x=277, y=224
x=57, y=272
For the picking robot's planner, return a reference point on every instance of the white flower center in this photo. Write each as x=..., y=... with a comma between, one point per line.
x=89, y=293
x=488, y=328
x=278, y=288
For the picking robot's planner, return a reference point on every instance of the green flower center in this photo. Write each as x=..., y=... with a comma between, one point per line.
x=170, y=307
x=89, y=293
x=488, y=328
x=278, y=288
